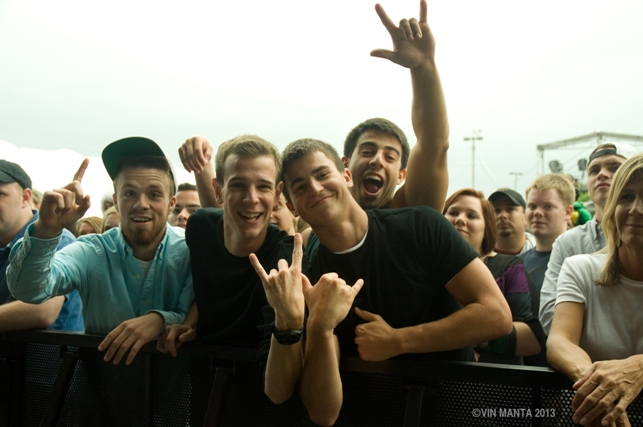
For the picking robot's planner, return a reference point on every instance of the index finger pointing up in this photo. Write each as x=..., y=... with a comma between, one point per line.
x=388, y=24
x=297, y=252
x=258, y=267
x=81, y=170
x=423, y=9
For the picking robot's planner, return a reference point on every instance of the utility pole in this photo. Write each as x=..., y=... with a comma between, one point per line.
x=475, y=135
x=516, y=175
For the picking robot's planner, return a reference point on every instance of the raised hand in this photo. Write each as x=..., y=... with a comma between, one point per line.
x=195, y=154
x=329, y=300
x=413, y=42
x=62, y=207
x=283, y=288
x=375, y=339
x=131, y=335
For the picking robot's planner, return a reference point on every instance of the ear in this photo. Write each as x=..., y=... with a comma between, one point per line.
x=569, y=211
x=401, y=176
x=348, y=177
x=171, y=205
x=218, y=191
x=278, y=189
x=26, y=198
x=346, y=161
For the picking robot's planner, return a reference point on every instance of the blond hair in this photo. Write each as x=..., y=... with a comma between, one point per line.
x=95, y=221
x=558, y=182
x=611, y=270
x=248, y=146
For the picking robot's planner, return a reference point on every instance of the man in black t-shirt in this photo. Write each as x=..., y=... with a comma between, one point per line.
x=420, y=288
x=231, y=306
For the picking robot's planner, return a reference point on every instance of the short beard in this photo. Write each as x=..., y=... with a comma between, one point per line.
x=505, y=233
x=140, y=237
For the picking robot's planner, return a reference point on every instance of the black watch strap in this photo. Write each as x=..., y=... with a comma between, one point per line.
x=287, y=337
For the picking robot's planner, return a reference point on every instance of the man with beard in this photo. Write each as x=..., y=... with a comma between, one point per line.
x=511, y=220
x=134, y=279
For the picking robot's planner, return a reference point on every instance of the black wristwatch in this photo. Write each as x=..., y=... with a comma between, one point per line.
x=287, y=337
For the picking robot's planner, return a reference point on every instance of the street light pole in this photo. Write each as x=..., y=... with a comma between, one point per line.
x=516, y=175
x=475, y=135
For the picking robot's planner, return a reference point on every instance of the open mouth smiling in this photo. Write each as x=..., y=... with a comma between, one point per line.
x=254, y=216
x=373, y=184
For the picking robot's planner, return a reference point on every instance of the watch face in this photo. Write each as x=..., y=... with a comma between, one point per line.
x=287, y=337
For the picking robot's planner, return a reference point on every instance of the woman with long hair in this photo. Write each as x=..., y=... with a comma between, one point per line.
x=474, y=218
x=596, y=336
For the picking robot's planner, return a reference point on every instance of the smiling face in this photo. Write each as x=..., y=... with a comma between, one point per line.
x=628, y=214
x=599, y=177
x=465, y=213
x=317, y=189
x=142, y=198
x=248, y=194
x=547, y=214
x=376, y=167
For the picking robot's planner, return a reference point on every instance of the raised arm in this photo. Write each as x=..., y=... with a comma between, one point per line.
x=427, y=177
x=31, y=276
x=196, y=156
x=321, y=386
x=284, y=293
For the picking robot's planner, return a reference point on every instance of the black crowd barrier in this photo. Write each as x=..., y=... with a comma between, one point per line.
x=57, y=379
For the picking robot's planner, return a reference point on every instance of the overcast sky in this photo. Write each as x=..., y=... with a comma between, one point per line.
x=78, y=74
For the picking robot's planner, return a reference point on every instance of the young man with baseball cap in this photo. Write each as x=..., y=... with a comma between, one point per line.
x=62, y=312
x=509, y=206
x=134, y=279
x=587, y=238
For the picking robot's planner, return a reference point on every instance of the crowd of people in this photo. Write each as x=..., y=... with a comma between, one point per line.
x=363, y=255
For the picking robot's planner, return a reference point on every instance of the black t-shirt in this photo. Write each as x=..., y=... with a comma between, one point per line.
x=407, y=259
x=232, y=304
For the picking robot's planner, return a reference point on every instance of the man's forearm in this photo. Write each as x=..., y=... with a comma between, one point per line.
x=321, y=384
x=17, y=315
x=427, y=177
x=283, y=370
x=205, y=187
x=471, y=325
x=429, y=111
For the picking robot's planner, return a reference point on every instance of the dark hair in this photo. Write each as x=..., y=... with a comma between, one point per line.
x=488, y=214
x=380, y=125
x=298, y=149
x=146, y=161
x=249, y=146
x=186, y=186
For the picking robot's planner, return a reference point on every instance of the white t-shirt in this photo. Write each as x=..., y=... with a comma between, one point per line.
x=613, y=321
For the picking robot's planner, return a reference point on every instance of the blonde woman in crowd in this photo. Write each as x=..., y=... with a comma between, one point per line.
x=596, y=337
x=111, y=219
x=89, y=225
